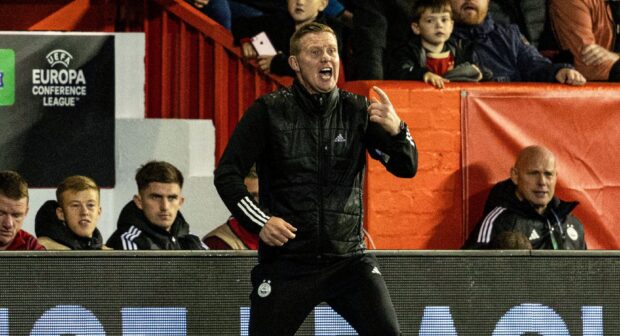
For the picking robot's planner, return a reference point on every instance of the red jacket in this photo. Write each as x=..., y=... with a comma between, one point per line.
x=578, y=23
x=231, y=236
x=25, y=241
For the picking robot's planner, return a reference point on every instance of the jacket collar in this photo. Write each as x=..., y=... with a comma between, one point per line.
x=505, y=192
x=132, y=215
x=319, y=103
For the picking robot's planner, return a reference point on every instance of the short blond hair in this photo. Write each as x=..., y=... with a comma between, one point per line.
x=76, y=183
x=308, y=28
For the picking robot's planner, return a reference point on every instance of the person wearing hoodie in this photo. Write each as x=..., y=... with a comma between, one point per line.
x=152, y=220
x=525, y=203
x=70, y=221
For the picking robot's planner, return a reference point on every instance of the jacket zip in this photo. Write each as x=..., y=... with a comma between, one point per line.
x=320, y=179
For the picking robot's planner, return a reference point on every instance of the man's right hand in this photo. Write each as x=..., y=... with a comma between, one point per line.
x=277, y=232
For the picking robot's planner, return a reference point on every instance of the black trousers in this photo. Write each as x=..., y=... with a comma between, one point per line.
x=286, y=291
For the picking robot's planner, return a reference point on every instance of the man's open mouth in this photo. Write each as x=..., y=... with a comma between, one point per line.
x=326, y=73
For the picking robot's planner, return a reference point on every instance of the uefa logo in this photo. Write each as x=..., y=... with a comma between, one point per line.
x=59, y=56
x=59, y=85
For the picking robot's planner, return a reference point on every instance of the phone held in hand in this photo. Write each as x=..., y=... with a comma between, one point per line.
x=262, y=45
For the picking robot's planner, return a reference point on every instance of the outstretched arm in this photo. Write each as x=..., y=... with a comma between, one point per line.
x=388, y=138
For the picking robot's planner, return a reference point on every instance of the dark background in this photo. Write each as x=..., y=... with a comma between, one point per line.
x=46, y=144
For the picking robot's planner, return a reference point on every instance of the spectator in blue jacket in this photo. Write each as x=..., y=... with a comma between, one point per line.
x=503, y=49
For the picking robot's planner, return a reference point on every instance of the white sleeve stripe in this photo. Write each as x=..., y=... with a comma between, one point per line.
x=410, y=138
x=484, y=236
x=248, y=202
x=135, y=233
x=252, y=212
x=256, y=213
x=128, y=237
x=249, y=216
x=125, y=239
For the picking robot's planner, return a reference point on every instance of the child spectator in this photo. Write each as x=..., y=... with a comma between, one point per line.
x=279, y=28
x=430, y=55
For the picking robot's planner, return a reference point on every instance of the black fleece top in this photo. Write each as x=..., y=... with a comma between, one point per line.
x=46, y=224
x=135, y=232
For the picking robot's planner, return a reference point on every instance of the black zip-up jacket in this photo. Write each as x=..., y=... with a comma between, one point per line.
x=505, y=212
x=310, y=153
x=135, y=232
x=46, y=224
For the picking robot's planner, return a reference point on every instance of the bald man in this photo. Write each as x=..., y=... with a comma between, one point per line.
x=526, y=203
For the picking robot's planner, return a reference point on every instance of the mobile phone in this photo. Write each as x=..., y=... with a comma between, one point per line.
x=262, y=45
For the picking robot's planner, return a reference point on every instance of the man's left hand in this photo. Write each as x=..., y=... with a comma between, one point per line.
x=570, y=76
x=382, y=112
